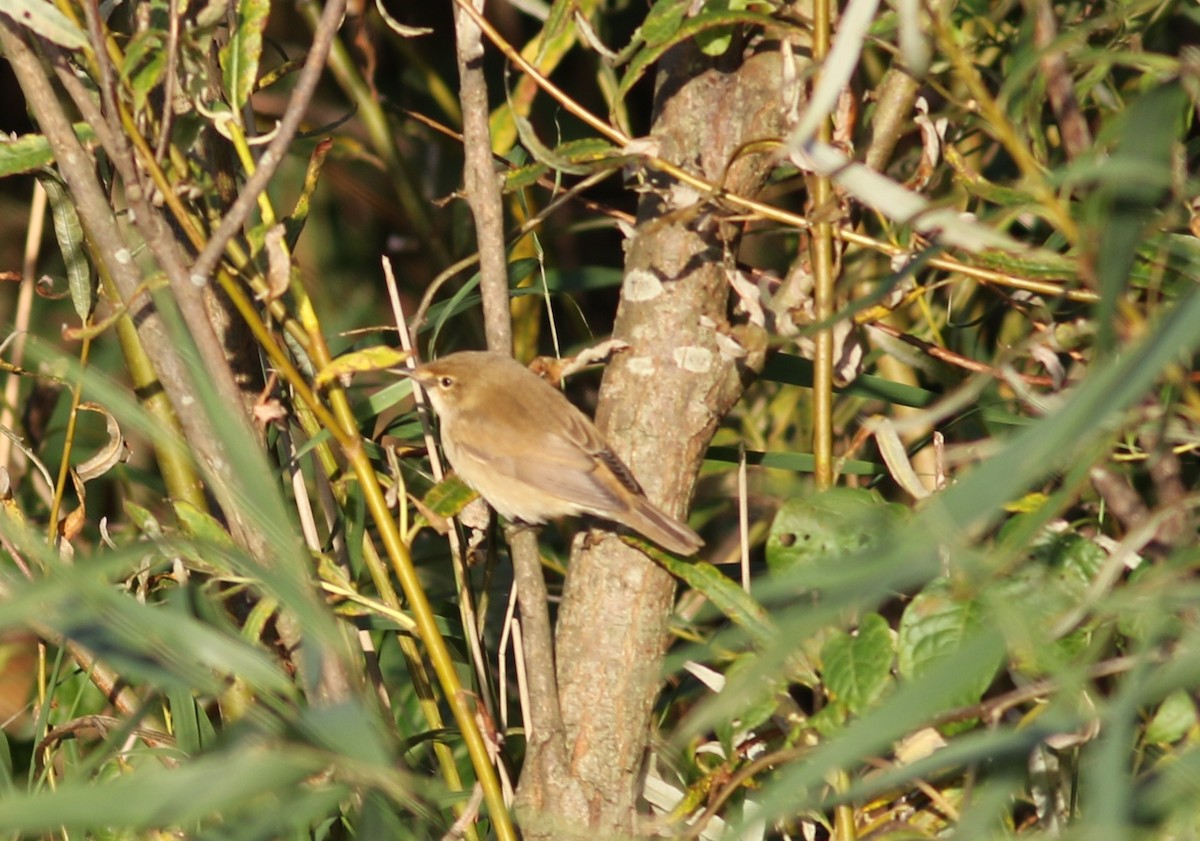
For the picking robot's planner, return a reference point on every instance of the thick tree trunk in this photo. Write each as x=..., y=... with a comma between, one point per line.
x=660, y=404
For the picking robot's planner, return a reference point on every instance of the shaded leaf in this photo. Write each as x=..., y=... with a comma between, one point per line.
x=858, y=669
x=69, y=233
x=936, y=625
x=31, y=152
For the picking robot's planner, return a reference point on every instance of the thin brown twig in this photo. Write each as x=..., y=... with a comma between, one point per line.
x=21, y=319
x=483, y=183
x=525, y=227
x=169, y=81
x=546, y=746
x=545, y=181
x=958, y=360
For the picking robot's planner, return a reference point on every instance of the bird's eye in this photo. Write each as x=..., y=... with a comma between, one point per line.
x=446, y=382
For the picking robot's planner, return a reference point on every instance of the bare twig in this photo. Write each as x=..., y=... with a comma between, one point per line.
x=546, y=746
x=482, y=182
x=33, y=239
x=170, y=78
x=957, y=359
x=1076, y=136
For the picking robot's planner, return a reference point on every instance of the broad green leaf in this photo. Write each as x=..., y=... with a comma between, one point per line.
x=145, y=60
x=1174, y=719
x=347, y=729
x=376, y=358
x=858, y=669
x=145, y=521
x=147, y=79
x=828, y=527
x=202, y=526
x=936, y=625
x=757, y=699
x=800, y=785
x=142, y=44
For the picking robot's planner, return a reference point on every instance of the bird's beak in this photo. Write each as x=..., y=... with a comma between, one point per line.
x=409, y=373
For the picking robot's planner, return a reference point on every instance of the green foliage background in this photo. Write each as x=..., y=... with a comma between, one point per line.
x=1014, y=653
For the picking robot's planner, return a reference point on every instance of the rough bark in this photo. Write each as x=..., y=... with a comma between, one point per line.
x=660, y=403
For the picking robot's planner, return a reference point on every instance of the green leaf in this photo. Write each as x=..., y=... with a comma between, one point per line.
x=585, y=156
x=145, y=521
x=145, y=60
x=663, y=21
x=449, y=496
x=147, y=78
x=828, y=527
x=202, y=526
x=666, y=33
x=796, y=370
x=166, y=647
x=858, y=669
x=235, y=781
x=715, y=42
x=796, y=462
x=241, y=54
x=1175, y=717
x=69, y=233
x=44, y=18
x=1136, y=178
x=758, y=697
x=31, y=152
x=726, y=595
x=347, y=729
x=935, y=626
x=299, y=215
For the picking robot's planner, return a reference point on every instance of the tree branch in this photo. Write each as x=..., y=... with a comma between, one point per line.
x=612, y=625
x=482, y=183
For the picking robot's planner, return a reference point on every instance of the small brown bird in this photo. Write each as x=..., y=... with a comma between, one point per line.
x=530, y=453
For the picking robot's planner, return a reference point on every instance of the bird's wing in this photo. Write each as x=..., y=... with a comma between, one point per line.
x=571, y=463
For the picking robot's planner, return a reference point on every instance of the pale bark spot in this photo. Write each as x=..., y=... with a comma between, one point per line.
x=692, y=358
x=642, y=285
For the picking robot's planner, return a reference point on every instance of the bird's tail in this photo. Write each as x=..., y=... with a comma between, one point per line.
x=666, y=531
